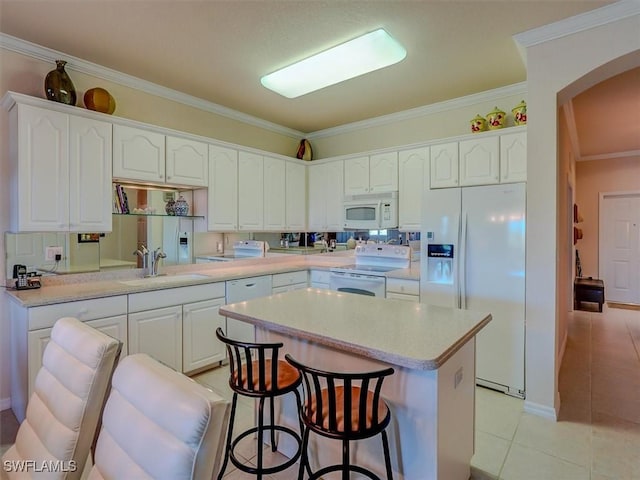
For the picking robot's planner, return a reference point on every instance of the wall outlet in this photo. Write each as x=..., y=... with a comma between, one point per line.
x=457, y=378
x=51, y=252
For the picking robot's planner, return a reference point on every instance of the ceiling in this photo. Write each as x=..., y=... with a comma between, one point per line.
x=218, y=50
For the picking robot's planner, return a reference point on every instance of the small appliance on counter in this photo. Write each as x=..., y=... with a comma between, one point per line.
x=24, y=280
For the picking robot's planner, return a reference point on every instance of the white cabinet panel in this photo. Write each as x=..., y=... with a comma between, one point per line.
x=413, y=166
x=222, y=194
x=326, y=182
x=187, y=162
x=296, y=197
x=90, y=165
x=250, y=191
x=158, y=333
x=42, y=169
x=479, y=161
x=275, y=191
x=513, y=157
x=444, y=165
x=138, y=154
x=356, y=176
x=383, y=172
x=201, y=348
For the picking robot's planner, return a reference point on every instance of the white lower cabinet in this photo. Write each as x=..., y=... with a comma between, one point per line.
x=319, y=279
x=285, y=282
x=201, y=348
x=158, y=333
x=403, y=289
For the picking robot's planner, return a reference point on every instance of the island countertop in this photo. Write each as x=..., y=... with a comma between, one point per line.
x=412, y=335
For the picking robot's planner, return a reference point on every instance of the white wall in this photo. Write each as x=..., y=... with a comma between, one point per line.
x=551, y=67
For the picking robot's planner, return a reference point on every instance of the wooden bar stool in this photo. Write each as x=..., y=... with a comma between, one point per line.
x=254, y=366
x=341, y=406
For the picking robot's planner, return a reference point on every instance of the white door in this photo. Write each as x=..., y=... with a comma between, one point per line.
x=274, y=194
x=201, y=347
x=444, y=165
x=479, y=161
x=158, y=333
x=620, y=246
x=383, y=172
x=296, y=199
x=138, y=154
x=250, y=192
x=187, y=162
x=222, y=208
x=356, y=176
x=413, y=165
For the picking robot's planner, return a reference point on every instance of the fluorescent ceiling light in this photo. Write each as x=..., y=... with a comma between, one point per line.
x=356, y=57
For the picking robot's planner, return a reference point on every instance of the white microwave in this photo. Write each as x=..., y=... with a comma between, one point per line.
x=371, y=211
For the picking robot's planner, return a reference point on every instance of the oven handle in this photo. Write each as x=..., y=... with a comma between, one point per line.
x=358, y=291
x=373, y=278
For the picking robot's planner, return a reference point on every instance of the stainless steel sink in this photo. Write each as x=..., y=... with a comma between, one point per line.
x=162, y=279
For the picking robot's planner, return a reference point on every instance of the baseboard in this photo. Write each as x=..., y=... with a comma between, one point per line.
x=5, y=403
x=540, y=410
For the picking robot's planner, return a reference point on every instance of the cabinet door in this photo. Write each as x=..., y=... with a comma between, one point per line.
x=138, y=154
x=43, y=170
x=334, y=197
x=187, y=162
x=200, y=346
x=115, y=327
x=222, y=194
x=513, y=157
x=383, y=172
x=250, y=191
x=90, y=162
x=274, y=194
x=479, y=161
x=356, y=176
x=444, y=165
x=318, y=175
x=158, y=333
x=413, y=165
x=296, y=197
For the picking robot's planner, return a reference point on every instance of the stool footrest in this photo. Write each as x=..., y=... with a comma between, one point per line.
x=240, y=465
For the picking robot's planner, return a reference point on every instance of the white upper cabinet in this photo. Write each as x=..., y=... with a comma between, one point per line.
x=413, y=170
x=187, y=162
x=371, y=174
x=444, y=165
x=90, y=187
x=383, y=172
x=138, y=154
x=274, y=194
x=296, y=197
x=480, y=161
x=250, y=191
x=222, y=195
x=63, y=171
x=513, y=157
x=326, y=183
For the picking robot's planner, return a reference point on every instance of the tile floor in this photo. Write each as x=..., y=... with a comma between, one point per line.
x=597, y=436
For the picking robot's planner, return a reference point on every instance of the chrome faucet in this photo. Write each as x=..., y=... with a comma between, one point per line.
x=143, y=253
x=155, y=260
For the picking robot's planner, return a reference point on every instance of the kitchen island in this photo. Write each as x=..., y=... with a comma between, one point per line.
x=431, y=394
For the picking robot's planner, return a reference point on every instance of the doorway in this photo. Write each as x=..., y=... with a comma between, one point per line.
x=619, y=246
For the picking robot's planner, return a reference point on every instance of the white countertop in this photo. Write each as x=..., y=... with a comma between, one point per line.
x=68, y=288
x=412, y=335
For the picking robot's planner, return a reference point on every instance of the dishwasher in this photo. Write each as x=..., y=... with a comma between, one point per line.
x=239, y=291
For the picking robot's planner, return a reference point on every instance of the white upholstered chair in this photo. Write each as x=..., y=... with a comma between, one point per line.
x=159, y=424
x=64, y=409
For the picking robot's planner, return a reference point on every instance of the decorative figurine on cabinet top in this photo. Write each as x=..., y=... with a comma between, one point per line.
x=58, y=87
x=520, y=113
x=99, y=100
x=478, y=124
x=495, y=119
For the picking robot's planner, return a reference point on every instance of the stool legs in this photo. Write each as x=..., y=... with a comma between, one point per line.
x=227, y=447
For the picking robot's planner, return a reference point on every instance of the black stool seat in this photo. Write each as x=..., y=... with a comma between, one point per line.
x=341, y=406
x=588, y=290
x=256, y=371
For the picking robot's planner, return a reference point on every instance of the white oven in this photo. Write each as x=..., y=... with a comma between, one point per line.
x=371, y=212
x=349, y=282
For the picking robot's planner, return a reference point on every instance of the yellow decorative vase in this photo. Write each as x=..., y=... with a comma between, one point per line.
x=478, y=124
x=496, y=119
x=99, y=100
x=520, y=113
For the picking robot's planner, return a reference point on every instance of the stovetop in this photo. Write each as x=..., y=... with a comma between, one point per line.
x=377, y=258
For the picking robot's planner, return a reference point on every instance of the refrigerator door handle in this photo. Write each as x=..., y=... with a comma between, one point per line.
x=463, y=264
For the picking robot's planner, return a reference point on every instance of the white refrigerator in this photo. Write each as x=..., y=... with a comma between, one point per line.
x=473, y=257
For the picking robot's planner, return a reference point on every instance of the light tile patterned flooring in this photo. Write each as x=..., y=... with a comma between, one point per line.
x=597, y=436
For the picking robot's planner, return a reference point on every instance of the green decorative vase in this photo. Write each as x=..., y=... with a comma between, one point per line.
x=58, y=86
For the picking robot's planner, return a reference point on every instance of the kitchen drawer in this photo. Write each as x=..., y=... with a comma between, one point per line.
x=404, y=297
x=45, y=316
x=408, y=287
x=168, y=297
x=289, y=278
x=320, y=276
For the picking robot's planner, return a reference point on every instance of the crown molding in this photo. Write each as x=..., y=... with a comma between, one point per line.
x=609, y=156
x=49, y=55
x=473, y=99
x=577, y=23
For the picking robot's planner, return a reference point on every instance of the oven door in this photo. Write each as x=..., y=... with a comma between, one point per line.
x=371, y=285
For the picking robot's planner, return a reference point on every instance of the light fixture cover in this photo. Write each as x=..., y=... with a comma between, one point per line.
x=369, y=52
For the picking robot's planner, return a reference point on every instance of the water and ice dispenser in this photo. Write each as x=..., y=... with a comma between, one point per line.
x=440, y=263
